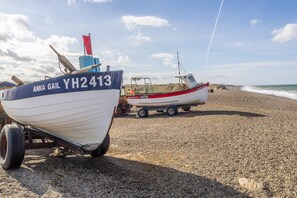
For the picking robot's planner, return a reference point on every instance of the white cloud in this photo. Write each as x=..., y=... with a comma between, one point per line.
x=15, y=56
x=285, y=34
x=113, y=58
x=254, y=22
x=61, y=42
x=97, y=1
x=14, y=26
x=29, y=55
x=140, y=38
x=167, y=59
x=123, y=59
x=131, y=21
x=71, y=2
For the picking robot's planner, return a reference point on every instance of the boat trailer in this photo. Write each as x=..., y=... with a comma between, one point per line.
x=172, y=110
x=15, y=138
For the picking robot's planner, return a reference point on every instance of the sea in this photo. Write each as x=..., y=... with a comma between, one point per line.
x=286, y=91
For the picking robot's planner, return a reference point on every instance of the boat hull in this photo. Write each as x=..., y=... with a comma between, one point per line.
x=192, y=96
x=76, y=108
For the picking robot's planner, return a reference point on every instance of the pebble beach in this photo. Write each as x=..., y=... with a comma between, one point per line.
x=238, y=144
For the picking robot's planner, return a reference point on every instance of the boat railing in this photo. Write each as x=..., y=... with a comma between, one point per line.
x=145, y=87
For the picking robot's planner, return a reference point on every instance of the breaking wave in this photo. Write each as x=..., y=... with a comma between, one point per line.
x=286, y=91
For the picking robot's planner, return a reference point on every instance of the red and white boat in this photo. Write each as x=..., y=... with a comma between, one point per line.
x=194, y=94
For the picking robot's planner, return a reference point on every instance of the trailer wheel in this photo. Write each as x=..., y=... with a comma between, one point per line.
x=186, y=108
x=103, y=148
x=172, y=111
x=118, y=111
x=142, y=113
x=12, y=146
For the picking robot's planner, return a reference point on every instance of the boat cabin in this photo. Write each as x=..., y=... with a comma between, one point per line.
x=188, y=79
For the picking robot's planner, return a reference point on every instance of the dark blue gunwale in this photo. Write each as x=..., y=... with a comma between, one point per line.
x=27, y=91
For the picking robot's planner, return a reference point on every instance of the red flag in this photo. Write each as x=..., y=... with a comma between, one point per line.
x=87, y=44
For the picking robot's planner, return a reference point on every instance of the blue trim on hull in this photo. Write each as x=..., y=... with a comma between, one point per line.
x=66, y=84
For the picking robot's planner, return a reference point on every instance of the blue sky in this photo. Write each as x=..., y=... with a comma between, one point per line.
x=254, y=42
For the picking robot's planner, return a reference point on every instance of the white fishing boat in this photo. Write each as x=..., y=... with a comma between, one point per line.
x=77, y=108
x=194, y=94
x=73, y=112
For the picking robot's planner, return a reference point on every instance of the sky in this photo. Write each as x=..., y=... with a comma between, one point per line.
x=254, y=42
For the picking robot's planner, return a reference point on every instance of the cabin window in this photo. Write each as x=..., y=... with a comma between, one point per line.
x=191, y=79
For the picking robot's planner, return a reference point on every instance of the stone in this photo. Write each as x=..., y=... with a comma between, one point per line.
x=250, y=185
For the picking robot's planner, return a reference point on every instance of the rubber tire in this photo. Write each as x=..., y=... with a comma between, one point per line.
x=186, y=108
x=172, y=111
x=142, y=112
x=12, y=147
x=159, y=110
x=103, y=148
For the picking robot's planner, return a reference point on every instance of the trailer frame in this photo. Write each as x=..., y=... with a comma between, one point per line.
x=171, y=110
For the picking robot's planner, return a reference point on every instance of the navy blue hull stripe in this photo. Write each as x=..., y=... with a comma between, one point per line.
x=67, y=84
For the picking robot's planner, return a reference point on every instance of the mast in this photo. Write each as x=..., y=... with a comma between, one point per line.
x=84, y=47
x=91, y=44
x=178, y=63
